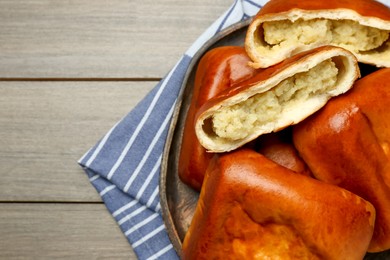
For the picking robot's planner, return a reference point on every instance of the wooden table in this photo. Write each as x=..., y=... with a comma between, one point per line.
x=68, y=71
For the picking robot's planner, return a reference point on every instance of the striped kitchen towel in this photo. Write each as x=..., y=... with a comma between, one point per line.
x=124, y=166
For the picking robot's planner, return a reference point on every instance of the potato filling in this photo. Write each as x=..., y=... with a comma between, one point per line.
x=344, y=33
x=238, y=121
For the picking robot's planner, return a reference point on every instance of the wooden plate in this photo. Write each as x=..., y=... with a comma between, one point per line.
x=178, y=201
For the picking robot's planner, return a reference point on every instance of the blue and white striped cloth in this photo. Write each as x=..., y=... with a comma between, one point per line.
x=124, y=166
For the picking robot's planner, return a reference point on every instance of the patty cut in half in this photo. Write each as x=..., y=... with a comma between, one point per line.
x=283, y=28
x=275, y=98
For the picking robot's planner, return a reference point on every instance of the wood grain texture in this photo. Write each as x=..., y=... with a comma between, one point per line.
x=45, y=127
x=65, y=68
x=60, y=231
x=99, y=39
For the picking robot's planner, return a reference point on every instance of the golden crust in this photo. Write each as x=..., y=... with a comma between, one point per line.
x=366, y=8
x=347, y=144
x=252, y=207
x=218, y=69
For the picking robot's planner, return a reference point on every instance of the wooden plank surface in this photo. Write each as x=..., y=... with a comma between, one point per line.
x=99, y=39
x=69, y=70
x=60, y=231
x=45, y=127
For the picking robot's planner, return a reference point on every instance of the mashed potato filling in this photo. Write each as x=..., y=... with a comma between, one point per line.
x=238, y=121
x=344, y=33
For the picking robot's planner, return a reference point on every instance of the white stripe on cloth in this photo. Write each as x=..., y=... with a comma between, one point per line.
x=106, y=189
x=100, y=146
x=141, y=224
x=158, y=207
x=249, y=9
x=202, y=39
x=234, y=13
x=227, y=19
x=132, y=214
x=93, y=178
x=206, y=35
x=253, y=3
x=84, y=156
x=123, y=208
x=149, y=178
x=141, y=124
x=150, y=148
x=148, y=236
x=160, y=253
x=152, y=197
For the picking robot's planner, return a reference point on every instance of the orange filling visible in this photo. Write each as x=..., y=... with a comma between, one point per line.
x=245, y=239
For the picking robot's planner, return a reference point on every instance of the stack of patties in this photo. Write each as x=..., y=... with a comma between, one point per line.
x=323, y=193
